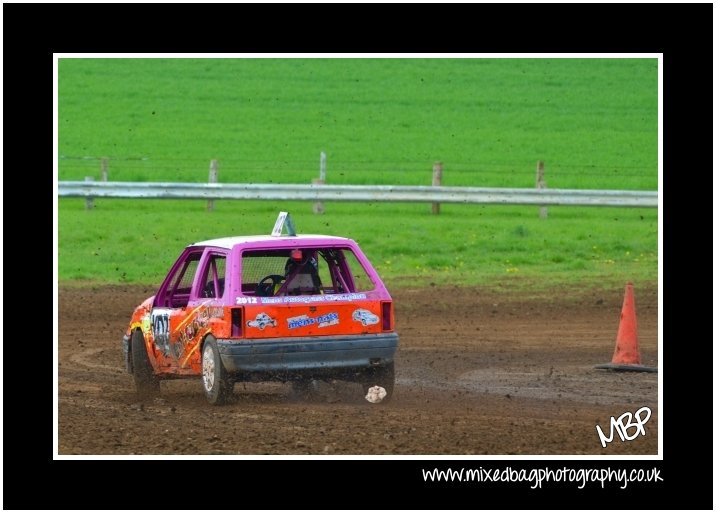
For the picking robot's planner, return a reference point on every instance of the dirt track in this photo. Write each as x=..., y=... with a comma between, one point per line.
x=477, y=373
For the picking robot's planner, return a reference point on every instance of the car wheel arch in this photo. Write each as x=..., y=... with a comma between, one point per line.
x=202, y=342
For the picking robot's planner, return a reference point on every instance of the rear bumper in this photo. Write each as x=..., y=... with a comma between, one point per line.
x=308, y=356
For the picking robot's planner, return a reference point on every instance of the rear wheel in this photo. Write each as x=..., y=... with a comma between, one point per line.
x=383, y=376
x=214, y=378
x=145, y=381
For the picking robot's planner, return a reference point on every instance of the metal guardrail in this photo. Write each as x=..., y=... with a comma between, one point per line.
x=365, y=193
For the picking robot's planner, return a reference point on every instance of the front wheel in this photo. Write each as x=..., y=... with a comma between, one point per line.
x=380, y=376
x=145, y=381
x=214, y=378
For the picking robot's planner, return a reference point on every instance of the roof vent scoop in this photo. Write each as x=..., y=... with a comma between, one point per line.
x=284, y=221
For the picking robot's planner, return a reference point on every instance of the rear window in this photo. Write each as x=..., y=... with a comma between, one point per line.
x=362, y=283
x=302, y=271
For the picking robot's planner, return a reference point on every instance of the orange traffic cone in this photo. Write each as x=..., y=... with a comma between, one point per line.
x=626, y=353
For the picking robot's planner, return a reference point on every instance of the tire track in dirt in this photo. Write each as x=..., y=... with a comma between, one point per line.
x=89, y=358
x=472, y=378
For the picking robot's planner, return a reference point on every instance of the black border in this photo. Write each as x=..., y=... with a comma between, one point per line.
x=32, y=480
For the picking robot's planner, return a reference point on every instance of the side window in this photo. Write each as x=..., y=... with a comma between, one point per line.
x=176, y=293
x=214, y=277
x=185, y=278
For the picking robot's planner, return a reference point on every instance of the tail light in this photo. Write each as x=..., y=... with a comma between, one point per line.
x=237, y=322
x=387, y=315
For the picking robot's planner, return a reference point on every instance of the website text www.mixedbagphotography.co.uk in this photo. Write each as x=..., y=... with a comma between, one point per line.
x=539, y=476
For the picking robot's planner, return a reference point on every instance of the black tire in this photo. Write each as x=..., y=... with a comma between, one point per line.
x=383, y=376
x=145, y=380
x=214, y=379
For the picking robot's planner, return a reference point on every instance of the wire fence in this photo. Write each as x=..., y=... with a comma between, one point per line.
x=399, y=172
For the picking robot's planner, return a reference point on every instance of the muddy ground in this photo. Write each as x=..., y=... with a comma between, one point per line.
x=477, y=372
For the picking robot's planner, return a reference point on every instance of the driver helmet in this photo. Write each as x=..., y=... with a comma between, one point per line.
x=292, y=263
x=296, y=259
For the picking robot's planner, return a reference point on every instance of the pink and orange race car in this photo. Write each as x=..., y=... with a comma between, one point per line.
x=290, y=308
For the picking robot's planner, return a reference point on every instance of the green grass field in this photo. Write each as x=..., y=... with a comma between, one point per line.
x=380, y=121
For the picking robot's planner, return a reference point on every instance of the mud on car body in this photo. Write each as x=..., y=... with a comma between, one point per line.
x=291, y=308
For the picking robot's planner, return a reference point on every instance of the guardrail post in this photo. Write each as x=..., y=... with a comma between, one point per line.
x=104, y=168
x=437, y=182
x=541, y=184
x=213, y=178
x=89, y=200
x=318, y=207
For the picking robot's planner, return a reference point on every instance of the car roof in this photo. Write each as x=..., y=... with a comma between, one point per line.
x=230, y=242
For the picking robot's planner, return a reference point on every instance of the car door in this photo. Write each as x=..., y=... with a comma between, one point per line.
x=180, y=317
x=205, y=302
x=170, y=308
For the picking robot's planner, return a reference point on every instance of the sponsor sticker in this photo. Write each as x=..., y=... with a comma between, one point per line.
x=365, y=317
x=322, y=321
x=261, y=321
